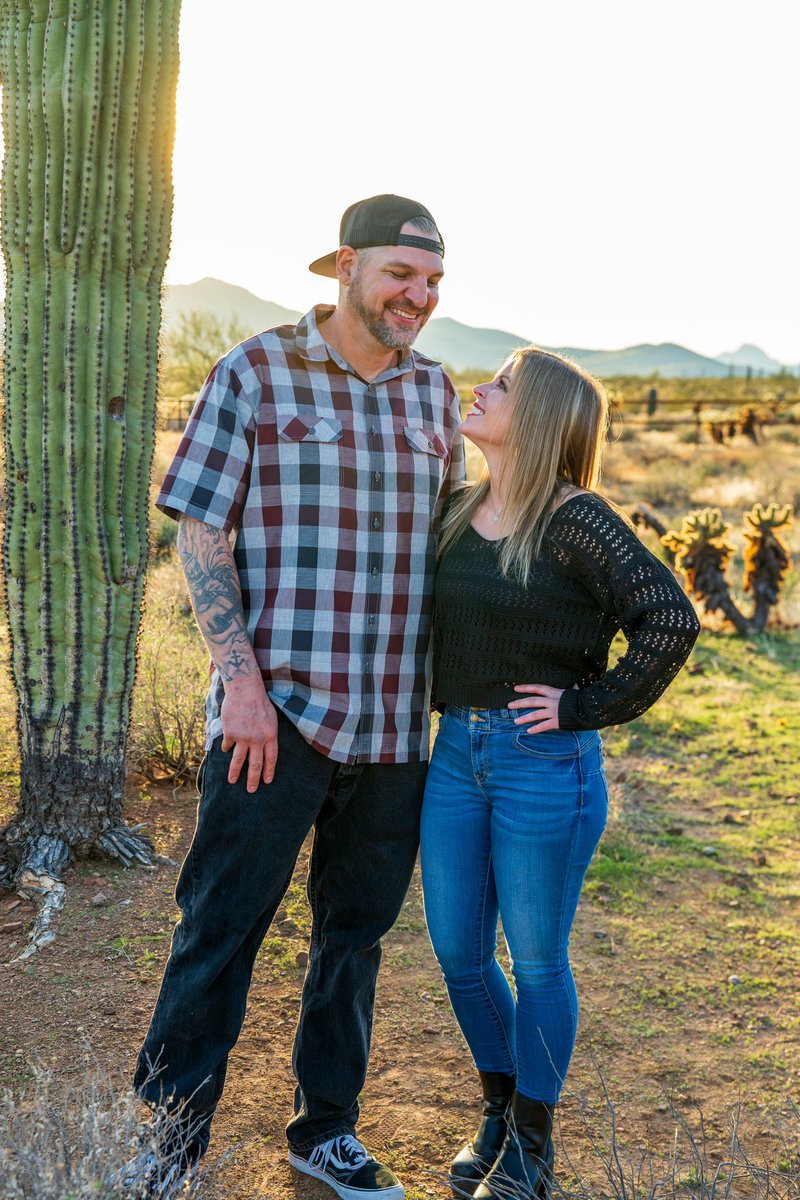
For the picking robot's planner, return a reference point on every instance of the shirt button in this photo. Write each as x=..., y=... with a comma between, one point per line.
x=376, y=522
x=374, y=430
x=377, y=476
x=374, y=571
x=371, y=619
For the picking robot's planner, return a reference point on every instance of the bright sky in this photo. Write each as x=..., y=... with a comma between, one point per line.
x=603, y=173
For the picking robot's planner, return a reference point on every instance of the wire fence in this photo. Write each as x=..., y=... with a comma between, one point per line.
x=721, y=417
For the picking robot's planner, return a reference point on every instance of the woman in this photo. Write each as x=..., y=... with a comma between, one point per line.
x=537, y=573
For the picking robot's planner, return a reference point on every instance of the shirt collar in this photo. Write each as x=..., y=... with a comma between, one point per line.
x=311, y=345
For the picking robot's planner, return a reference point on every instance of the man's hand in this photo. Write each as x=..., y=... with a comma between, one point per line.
x=250, y=726
x=542, y=707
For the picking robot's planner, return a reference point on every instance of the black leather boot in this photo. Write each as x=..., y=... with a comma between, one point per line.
x=471, y=1164
x=524, y=1166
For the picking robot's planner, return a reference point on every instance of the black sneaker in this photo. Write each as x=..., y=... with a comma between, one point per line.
x=148, y=1178
x=343, y=1163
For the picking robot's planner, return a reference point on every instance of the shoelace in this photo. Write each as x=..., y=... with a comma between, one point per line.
x=340, y=1153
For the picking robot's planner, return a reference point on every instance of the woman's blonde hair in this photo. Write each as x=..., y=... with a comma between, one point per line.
x=559, y=422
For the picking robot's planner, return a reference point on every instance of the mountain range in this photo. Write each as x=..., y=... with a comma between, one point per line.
x=464, y=347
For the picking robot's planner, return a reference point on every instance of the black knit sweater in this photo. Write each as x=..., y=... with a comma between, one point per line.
x=593, y=578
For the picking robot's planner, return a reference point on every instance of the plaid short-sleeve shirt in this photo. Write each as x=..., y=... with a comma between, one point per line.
x=333, y=486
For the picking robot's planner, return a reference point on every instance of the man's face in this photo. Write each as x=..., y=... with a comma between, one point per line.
x=394, y=289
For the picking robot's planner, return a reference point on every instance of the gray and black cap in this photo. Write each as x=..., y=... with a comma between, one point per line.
x=377, y=221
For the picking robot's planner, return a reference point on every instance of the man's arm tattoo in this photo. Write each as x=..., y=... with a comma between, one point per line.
x=216, y=596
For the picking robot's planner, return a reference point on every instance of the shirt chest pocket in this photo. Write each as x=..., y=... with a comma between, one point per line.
x=424, y=441
x=421, y=472
x=310, y=428
x=309, y=451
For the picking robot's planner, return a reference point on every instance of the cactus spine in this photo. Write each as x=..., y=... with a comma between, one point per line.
x=88, y=118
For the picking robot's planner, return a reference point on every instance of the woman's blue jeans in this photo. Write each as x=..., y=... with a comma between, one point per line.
x=510, y=821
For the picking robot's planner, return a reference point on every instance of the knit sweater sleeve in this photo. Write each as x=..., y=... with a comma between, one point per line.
x=641, y=597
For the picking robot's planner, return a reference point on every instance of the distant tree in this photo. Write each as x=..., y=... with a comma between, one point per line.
x=196, y=342
x=652, y=401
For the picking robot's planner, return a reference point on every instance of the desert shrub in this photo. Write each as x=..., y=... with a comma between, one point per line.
x=666, y=484
x=689, y=1168
x=61, y=1141
x=711, y=468
x=163, y=534
x=167, y=723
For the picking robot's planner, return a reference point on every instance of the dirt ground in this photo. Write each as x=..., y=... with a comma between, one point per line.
x=88, y=997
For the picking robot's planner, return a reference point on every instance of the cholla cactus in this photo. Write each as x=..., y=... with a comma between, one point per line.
x=88, y=120
x=702, y=553
x=766, y=555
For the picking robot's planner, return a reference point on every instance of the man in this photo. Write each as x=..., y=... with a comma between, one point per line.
x=327, y=446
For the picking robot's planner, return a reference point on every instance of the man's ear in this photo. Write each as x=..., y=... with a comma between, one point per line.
x=346, y=259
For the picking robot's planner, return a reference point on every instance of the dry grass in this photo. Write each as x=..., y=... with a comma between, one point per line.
x=78, y=1142
x=168, y=723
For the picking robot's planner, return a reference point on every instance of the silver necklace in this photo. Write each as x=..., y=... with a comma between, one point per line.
x=496, y=513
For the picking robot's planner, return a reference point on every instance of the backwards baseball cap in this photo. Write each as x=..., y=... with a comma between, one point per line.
x=377, y=221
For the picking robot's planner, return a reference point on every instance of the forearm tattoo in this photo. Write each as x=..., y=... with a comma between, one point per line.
x=216, y=596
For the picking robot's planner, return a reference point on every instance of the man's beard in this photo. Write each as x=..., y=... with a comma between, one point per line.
x=376, y=323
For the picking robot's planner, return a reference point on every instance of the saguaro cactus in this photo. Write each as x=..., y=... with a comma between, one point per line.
x=88, y=118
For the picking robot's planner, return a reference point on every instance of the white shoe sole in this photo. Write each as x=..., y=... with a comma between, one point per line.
x=342, y=1189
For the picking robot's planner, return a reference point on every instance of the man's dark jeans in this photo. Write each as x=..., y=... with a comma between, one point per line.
x=238, y=868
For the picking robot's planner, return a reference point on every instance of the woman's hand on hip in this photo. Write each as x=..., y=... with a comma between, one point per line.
x=540, y=705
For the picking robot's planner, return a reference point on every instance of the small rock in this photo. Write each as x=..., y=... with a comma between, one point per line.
x=734, y=980
x=600, y=933
x=760, y=859
x=431, y=1029
x=730, y=819
x=694, y=668
x=99, y=900
x=621, y=776
x=709, y=851
x=674, y=830
x=108, y=1010
x=791, y=799
x=301, y=958
x=11, y=927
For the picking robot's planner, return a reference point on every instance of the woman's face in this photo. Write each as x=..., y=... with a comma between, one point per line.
x=487, y=422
